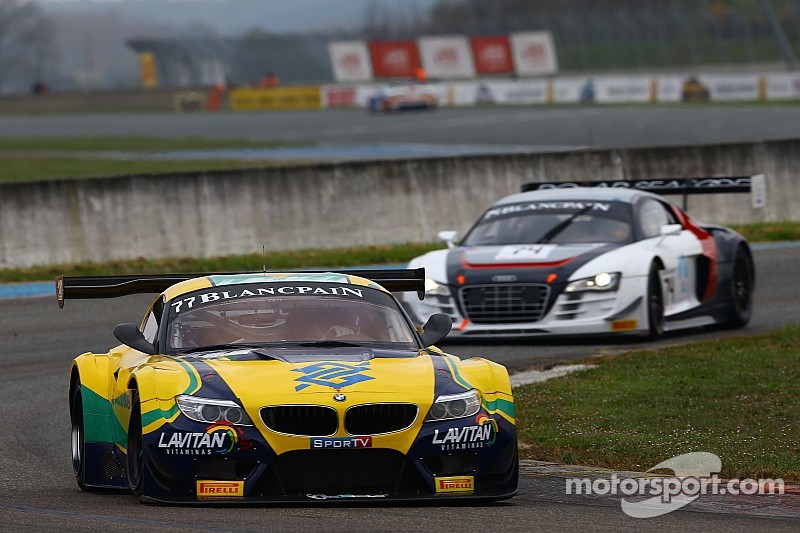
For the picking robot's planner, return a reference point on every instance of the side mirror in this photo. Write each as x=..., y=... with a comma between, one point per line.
x=669, y=230
x=436, y=328
x=129, y=335
x=449, y=237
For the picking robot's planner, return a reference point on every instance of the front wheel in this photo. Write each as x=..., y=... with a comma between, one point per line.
x=135, y=456
x=655, y=304
x=741, y=289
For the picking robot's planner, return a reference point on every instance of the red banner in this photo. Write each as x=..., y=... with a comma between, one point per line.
x=340, y=96
x=492, y=55
x=394, y=59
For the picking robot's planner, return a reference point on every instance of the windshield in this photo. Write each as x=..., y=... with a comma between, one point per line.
x=559, y=222
x=321, y=315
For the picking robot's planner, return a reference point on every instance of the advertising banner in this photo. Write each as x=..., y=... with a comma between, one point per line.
x=534, y=53
x=459, y=94
x=512, y=92
x=339, y=96
x=727, y=87
x=394, y=59
x=350, y=61
x=623, y=89
x=492, y=55
x=782, y=86
x=300, y=97
x=348, y=95
x=669, y=88
x=447, y=57
x=572, y=90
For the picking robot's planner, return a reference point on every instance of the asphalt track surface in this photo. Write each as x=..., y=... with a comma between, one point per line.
x=38, y=491
x=575, y=126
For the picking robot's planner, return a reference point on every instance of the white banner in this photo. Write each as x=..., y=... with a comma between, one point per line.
x=572, y=90
x=783, y=86
x=623, y=89
x=722, y=87
x=512, y=92
x=448, y=57
x=534, y=53
x=350, y=61
x=669, y=88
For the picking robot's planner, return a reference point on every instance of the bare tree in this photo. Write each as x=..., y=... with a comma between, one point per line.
x=27, y=53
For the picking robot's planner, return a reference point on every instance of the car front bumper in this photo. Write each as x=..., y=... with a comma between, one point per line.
x=590, y=313
x=185, y=470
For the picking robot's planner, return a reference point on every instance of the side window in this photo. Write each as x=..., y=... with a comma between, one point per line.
x=652, y=215
x=150, y=327
x=150, y=323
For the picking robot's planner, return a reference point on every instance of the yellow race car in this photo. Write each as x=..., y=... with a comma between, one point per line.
x=276, y=387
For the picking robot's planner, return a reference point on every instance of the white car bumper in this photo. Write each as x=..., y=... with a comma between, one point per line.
x=623, y=311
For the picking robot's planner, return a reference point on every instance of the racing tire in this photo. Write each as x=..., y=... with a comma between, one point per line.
x=742, y=278
x=135, y=457
x=77, y=438
x=655, y=304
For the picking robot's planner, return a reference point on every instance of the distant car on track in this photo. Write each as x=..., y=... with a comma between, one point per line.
x=590, y=261
x=405, y=96
x=304, y=387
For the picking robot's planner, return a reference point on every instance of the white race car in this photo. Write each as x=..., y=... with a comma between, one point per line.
x=589, y=261
x=403, y=96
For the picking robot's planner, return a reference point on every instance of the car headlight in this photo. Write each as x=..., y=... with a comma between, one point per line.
x=434, y=288
x=450, y=406
x=605, y=281
x=209, y=411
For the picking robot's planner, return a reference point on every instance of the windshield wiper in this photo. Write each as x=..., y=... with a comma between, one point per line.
x=561, y=226
x=329, y=344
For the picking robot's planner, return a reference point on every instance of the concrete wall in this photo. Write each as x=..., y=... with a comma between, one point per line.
x=332, y=205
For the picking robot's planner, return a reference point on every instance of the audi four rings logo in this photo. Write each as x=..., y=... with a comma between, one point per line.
x=504, y=278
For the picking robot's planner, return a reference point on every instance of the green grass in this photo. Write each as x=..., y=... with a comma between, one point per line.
x=17, y=169
x=132, y=144
x=312, y=258
x=770, y=231
x=737, y=398
x=29, y=159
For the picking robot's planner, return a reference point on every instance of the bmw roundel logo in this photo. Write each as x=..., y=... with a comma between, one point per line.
x=339, y=397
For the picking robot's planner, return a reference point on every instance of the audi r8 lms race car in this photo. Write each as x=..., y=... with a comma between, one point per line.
x=590, y=261
x=403, y=97
x=309, y=387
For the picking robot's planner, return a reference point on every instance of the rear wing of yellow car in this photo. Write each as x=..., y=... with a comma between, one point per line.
x=683, y=186
x=91, y=287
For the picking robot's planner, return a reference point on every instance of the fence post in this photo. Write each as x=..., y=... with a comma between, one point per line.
x=777, y=29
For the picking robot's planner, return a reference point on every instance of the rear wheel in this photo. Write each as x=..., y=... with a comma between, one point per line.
x=135, y=458
x=741, y=288
x=77, y=437
x=655, y=304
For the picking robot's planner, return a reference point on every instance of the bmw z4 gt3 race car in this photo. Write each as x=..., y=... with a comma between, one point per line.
x=306, y=387
x=590, y=261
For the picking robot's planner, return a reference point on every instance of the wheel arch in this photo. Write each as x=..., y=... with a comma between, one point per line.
x=74, y=377
x=92, y=370
x=143, y=380
x=486, y=376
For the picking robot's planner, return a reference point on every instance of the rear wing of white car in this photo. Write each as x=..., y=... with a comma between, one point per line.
x=683, y=186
